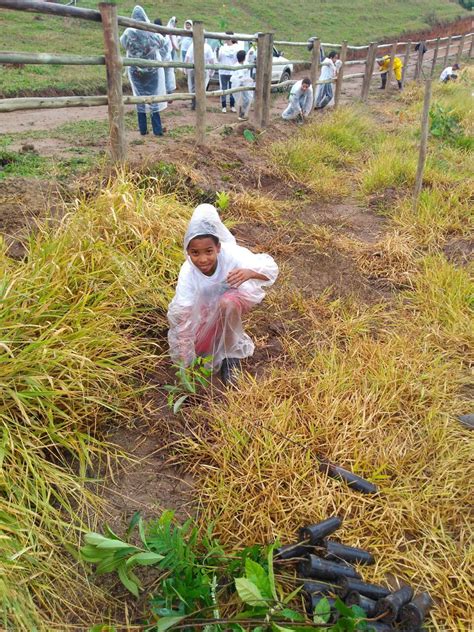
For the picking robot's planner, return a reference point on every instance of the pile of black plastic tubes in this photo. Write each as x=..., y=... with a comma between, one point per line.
x=327, y=566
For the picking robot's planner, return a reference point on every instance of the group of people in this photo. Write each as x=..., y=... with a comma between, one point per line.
x=153, y=81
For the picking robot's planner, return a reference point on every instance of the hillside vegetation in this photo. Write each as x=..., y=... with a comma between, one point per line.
x=358, y=21
x=371, y=375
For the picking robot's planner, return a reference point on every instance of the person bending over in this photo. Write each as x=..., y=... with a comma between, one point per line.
x=449, y=73
x=384, y=65
x=218, y=283
x=300, y=101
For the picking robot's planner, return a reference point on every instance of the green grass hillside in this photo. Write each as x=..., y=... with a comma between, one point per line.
x=358, y=21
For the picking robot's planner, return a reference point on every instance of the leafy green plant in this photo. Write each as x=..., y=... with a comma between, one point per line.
x=200, y=582
x=249, y=136
x=444, y=123
x=190, y=379
x=222, y=200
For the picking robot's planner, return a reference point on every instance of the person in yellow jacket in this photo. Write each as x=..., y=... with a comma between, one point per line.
x=384, y=65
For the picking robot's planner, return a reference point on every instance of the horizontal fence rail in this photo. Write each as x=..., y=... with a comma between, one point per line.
x=115, y=62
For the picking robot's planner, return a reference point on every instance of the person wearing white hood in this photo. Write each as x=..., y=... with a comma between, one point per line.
x=145, y=81
x=218, y=283
x=186, y=42
x=325, y=93
x=174, y=39
x=209, y=58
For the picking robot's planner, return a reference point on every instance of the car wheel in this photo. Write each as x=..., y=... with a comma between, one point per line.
x=285, y=75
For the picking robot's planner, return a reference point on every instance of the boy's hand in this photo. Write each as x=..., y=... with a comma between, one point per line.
x=239, y=275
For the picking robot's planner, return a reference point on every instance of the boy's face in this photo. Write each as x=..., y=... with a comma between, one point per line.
x=304, y=87
x=203, y=252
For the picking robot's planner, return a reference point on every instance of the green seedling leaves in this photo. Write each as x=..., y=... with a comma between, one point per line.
x=249, y=136
x=322, y=612
x=292, y=615
x=258, y=576
x=167, y=622
x=249, y=592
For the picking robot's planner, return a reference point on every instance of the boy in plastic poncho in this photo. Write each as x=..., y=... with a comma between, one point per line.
x=209, y=58
x=241, y=78
x=300, y=101
x=217, y=284
x=325, y=93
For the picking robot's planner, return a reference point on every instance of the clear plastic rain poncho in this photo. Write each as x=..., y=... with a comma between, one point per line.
x=145, y=81
x=300, y=102
x=325, y=93
x=205, y=315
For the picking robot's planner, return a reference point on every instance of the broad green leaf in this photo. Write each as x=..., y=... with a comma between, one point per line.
x=146, y=558
x=248, y=592
x=322, y=612
x=293, y=615
x=126, y=581
x=249, y=135
x=179, y=402
x=165, y=623
x=257, y=575
x=279, y=628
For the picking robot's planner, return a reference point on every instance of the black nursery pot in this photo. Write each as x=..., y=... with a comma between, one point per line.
x=338, y=551
x=314, y=566
x=315, y=533
x=356, y=482
x=392, y=603
x=312, y=601
x=320, y=588
x=356, y=599
x=374, y=591
x=412, y=614
x=289, y=551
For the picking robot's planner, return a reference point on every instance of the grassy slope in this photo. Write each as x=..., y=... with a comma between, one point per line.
x=355, y=20
x=86, y=288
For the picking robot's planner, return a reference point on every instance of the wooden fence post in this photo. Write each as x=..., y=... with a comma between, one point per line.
x=423, y=145
x=263, y=80
x=448, y=44
x=392, y=53
x=419, y=60
x=471, y=48
x=406, y=61
x=369, y=71
x=113, y=64
x=340, y=74
x=314, y=72
x=435, y=57
x=199, y=81
x=461, y=48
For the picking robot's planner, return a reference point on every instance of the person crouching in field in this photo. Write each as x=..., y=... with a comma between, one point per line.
x=300, y=101
x=449, y=73
x=241, y=78
x=218, y=283
x=384, y=65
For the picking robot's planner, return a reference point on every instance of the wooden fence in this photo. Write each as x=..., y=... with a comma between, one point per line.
x=453, y=46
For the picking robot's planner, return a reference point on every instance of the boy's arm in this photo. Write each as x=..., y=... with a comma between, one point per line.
x=240, y=275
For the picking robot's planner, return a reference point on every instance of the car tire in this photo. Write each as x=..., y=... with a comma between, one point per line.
x=285, y=75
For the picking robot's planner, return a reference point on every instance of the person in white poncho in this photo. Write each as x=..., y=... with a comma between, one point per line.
x=300, y=101
x=209, y=58
x=325, y=93
x=217, y=284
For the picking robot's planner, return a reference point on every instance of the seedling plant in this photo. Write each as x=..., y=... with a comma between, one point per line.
x=189, y=380
x=200, y=583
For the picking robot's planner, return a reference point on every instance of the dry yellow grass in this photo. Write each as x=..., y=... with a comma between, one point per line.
x=379, y=404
